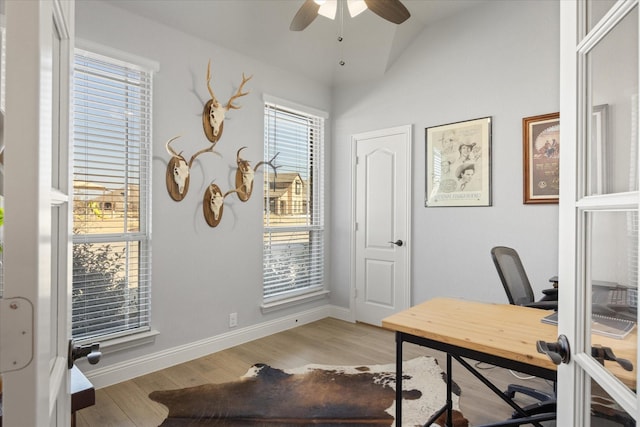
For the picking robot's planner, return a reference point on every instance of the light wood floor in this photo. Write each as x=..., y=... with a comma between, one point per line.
x=327, y=341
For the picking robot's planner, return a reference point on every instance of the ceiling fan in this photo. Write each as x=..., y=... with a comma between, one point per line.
x=391, y=10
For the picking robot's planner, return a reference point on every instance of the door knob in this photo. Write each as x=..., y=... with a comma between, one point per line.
x=90, y=351
x=605, y=353
x=558, y=351
x=397, y=242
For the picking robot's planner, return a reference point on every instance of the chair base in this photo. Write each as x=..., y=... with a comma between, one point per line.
x=546, y=407
x=542, y=396
x=546, y=404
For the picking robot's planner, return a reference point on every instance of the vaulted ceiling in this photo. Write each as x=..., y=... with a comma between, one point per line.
x=260, y=29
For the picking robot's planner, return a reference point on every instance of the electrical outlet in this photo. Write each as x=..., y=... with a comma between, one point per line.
x=233, y=320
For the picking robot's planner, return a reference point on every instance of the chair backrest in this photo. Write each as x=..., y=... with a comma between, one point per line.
x=514, y=278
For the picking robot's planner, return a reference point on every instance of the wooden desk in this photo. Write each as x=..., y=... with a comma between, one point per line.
x=83, y=394
x=500, y=334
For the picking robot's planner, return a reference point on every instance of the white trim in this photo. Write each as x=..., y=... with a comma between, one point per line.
x=130, y=59
x=59, y=372
x=298, y=108
x=618, y=201
x=280, y=304
x=353, y=229
x=123, y=371
x=341, y=313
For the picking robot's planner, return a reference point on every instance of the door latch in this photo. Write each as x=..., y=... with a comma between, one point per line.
x=90, y=351
x=557, y=351
x=605, y=353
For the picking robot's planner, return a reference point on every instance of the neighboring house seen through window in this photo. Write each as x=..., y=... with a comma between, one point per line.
x=293, y=243
x=111, y=202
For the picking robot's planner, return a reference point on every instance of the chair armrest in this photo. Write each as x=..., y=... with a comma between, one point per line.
x=550, y=294
x=546, y=305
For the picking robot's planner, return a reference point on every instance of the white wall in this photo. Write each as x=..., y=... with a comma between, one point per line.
x=200, y=274
x=500, y=59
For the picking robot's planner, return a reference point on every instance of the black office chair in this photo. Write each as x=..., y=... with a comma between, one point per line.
x=516, y=283
x=518, y=289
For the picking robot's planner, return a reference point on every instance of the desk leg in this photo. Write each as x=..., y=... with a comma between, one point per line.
x=448, y=405
x=398, y=379
x=449, y=391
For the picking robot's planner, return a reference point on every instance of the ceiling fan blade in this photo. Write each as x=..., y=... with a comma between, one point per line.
x=305, y=15
x=391, y=10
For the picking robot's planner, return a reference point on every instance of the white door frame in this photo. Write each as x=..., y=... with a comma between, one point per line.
x=37, y=182
x=406, y=129
x=574, y=378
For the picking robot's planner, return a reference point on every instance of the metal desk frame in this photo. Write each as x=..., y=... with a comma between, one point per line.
x=457, y=352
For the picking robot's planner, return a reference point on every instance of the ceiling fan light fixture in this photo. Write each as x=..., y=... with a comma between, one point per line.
x=356, y=7
x=328, y=8
x=391, y=10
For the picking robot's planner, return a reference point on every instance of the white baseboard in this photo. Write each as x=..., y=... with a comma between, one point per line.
x=123, y=371
x=342, y=313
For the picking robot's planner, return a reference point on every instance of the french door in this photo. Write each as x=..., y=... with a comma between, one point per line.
x=599, y=207
x=34, y=308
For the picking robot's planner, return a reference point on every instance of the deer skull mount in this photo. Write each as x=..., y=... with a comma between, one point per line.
x=245, y=175
x=178, y=171
x=213, y=204
x=214, y=112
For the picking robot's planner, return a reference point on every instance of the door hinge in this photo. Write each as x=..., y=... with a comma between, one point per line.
x=16, y=333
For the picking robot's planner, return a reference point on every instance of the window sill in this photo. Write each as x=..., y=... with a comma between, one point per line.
x=269, y=307
x=116, y=344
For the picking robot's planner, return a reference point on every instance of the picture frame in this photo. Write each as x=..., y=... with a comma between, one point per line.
x=458, y=164
x=541, y=159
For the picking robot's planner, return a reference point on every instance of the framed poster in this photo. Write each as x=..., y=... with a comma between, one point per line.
x=458, y=164
x=541, y=147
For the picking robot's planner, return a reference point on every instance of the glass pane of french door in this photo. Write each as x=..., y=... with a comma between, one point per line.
x=612, y=281
x=612, y=88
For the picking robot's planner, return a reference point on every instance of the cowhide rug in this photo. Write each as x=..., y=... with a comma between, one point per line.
x=313, y=395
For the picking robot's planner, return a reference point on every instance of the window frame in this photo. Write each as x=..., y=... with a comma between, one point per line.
x=140, y=238
x=316, y=290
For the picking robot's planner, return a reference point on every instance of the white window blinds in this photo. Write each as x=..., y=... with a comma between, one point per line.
x=111, y=202
x=293, y=249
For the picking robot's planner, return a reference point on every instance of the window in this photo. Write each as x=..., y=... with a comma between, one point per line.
x=293, y=241
x=111, y=202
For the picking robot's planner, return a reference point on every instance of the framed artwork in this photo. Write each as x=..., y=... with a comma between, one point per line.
x=458, y=164
x=541, y=148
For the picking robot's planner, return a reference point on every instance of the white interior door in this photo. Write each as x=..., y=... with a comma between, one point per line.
x=382, y=223
x=34, y=313
x=599, y=202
